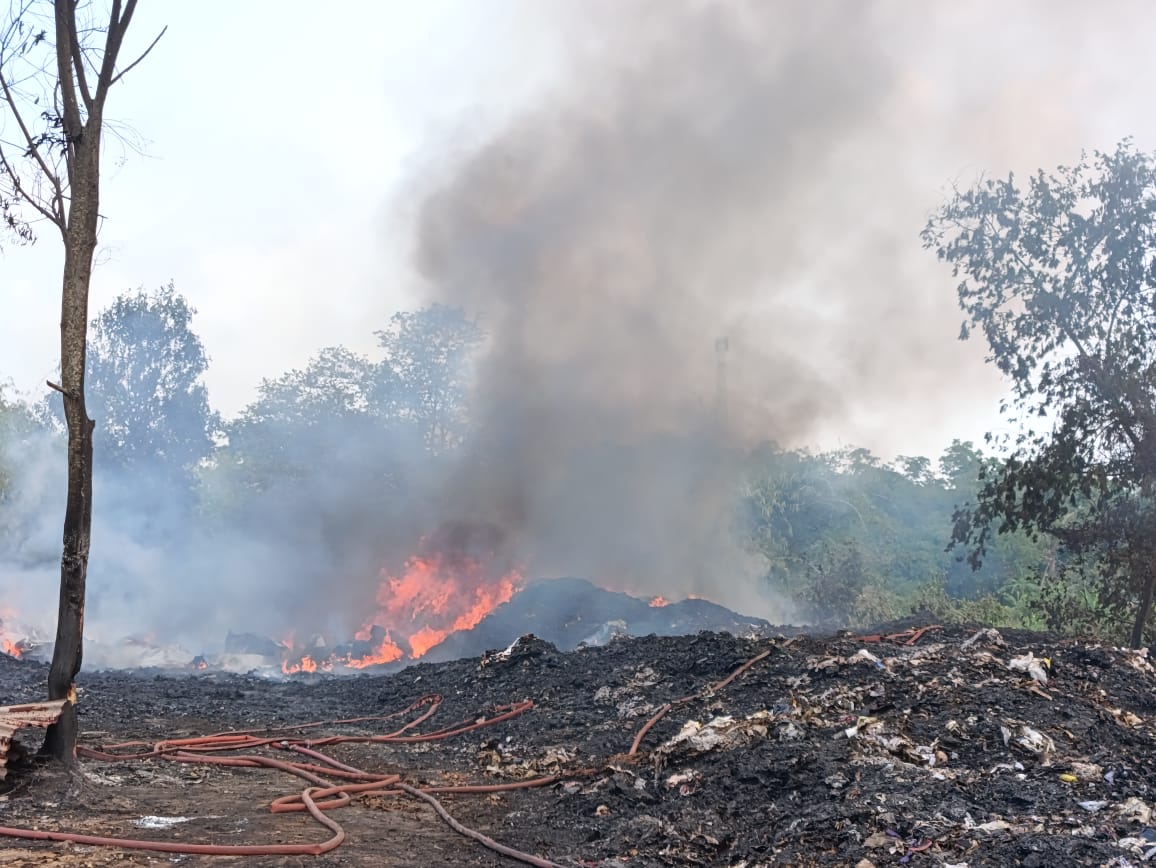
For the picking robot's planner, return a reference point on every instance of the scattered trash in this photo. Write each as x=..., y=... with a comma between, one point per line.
x=724, y=731
x=904, y=637
x=150, y=822
x=828, y=750
x=1036, y=668
x=990, y=635
x=1134, y=810
x=681, y=779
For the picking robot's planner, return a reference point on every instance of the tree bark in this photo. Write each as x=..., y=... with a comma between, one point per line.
x=1145, y=608
x=67, y=654
x=83, y=162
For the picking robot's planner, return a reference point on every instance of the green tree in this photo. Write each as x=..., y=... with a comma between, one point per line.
x=322, y=450
x=333, y=413
x=1059, y=276
x=429, y=353
x=29, y=446
x=833, y=525
x=145, y=370
x=851, y=538
x=18, y=422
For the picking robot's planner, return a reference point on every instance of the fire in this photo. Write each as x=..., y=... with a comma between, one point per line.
x=424, y=639
x=8, y=645
x=658, y=602
x=435, y=596
x=432, y=597
x=385, y=652
x=305, y=664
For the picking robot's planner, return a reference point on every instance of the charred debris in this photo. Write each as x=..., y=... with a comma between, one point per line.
x=942, y=746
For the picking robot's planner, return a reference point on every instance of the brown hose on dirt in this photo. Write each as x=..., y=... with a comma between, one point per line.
x=706, y=691
x=200, y=849
x=513, y=711
x=316, y=799
x=494, y=788
x=291, y=803
x=489, y=843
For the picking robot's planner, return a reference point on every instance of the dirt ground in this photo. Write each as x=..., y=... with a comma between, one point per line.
x=825, y=751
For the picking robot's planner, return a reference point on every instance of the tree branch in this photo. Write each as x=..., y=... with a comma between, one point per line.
x=25, y=196
x=78, y=61
x=73, y=125
x=117, y=25
x=57, y=213
x=128, y=68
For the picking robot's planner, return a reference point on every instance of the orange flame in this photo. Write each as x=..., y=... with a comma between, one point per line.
x=658, y=602
x=436, y=596
x=7, y=644
x=424, y=639
x=386, y=652
x=306, y=664
x=433, y=597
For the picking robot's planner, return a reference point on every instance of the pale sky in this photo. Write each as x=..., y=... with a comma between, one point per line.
x=281, y=148
x=276, y=140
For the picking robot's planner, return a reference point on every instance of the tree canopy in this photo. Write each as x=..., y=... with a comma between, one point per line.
x=429, y=351
x=145, y=375
x=1057, y=274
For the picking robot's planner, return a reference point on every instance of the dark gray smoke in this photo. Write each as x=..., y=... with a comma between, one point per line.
x=742, y=175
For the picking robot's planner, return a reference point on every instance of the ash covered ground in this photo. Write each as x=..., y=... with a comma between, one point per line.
x=826, y=751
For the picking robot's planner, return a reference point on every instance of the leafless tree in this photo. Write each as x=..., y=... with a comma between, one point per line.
x=55, y=74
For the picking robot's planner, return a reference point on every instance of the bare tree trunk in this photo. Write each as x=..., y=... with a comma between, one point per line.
x=67, y=654
x=1145, y=608
x=79, y=247
x=73, y=112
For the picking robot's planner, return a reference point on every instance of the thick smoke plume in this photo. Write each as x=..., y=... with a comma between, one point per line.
x=701, y=243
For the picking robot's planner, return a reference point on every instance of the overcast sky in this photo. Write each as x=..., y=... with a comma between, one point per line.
x=285, y=152
x=275, y=139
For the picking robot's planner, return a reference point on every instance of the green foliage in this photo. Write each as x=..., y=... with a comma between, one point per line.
x=18, y=423
x=336, y=412
x=933, y=601
x=854, y=540
x=346, y=429
x=428, y=352
x=144, y=382
x=1069, y=603
x=28, y=445
x=1059, y=276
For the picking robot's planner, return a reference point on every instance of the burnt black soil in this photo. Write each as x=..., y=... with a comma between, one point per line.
x=829, y=751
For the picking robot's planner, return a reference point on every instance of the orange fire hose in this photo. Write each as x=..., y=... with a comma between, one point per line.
x=200, y=849
x=477, y=836
x=316, y=799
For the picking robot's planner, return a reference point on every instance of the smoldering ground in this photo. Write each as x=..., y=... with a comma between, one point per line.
x=750, y=172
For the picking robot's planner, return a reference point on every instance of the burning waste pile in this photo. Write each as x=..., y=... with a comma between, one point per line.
x=439, y=608
x=432, y=613
x=930, y=745
x=435, y=596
